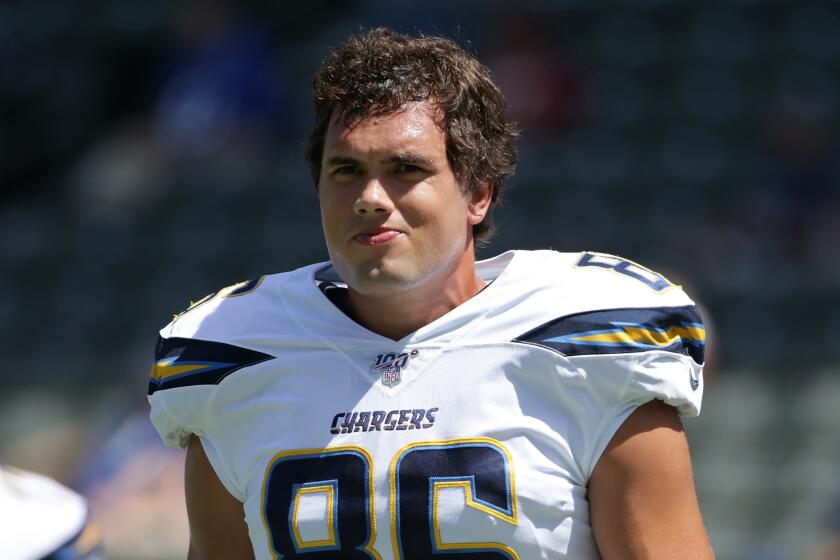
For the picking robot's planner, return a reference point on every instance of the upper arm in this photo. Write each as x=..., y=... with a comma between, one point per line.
x=217, y=519
x=641, y=494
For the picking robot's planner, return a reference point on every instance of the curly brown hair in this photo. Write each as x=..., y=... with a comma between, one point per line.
x=378, y=72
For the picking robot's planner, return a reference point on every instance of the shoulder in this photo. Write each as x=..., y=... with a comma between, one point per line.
x=224, y=333
x=235, y=310
x=223, y=313
x=184, y=362
x=209, y=340
x=633, y=333
x=594, y=303
x=602, y=279
x=588, y=289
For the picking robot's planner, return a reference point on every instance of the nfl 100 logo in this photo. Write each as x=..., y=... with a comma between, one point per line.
x=389, y=366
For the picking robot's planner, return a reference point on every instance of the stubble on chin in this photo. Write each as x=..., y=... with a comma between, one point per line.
x=379, y=279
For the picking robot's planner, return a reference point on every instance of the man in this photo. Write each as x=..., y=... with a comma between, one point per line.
x=404, y=401
x=43, y=520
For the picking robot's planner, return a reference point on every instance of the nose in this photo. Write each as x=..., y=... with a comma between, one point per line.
x=373, y=199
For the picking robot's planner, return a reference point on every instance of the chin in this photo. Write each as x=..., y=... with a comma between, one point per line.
x=379, y=280
x=379, y=283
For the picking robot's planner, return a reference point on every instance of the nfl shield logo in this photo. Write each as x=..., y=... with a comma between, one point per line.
x=391, y=375
x=390, y=365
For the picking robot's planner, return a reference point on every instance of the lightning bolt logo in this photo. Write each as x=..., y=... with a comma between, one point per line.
x=170, y=368
x=181, y=362
x=634, y=335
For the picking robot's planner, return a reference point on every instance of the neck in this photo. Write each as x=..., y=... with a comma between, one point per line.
x=401, y=313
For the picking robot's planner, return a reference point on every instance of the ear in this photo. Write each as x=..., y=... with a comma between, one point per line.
x=478, y=203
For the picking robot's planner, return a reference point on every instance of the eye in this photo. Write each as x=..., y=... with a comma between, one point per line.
x=345, y=170
x=408, y=169
x=345, y=173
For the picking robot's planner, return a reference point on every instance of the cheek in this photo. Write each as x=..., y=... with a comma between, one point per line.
x=333, y=202
x=434, y=203
x=329, y=216
x=444, y=220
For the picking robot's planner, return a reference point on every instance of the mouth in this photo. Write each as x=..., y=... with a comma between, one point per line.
x=377, y=236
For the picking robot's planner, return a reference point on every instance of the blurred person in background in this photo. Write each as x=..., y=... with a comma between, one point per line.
x=134, y=484
x=542, y=80
x=219, y=101
x=518, y=407
x=41, y=519
x=827, y=545
x=222, y=90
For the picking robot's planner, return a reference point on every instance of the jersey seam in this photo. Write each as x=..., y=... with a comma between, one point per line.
x=582, y=372
x=609, y=415
x=210, y=422
x=587, y=467
x=168, y=410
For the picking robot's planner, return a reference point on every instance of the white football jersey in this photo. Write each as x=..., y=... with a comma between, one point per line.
x=475, y=435
x=41, y=518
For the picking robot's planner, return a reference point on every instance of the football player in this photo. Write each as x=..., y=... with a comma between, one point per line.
x=43, y=520
x=403, y=401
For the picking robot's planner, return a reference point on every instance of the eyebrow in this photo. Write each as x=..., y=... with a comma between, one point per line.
x=341, y=160
x=402, y=157
x=408, y=157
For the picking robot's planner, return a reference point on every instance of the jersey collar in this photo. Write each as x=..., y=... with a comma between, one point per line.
x=316, y=314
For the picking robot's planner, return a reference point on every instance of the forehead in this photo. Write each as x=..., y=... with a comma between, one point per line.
x=416, y=126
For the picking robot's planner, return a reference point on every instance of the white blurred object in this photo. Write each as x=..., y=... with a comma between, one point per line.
x=40, y=517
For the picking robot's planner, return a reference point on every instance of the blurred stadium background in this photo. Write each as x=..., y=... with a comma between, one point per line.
x=151, y=152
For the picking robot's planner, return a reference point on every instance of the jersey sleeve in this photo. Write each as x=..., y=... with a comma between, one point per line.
x=183, y=382
x=177, y=410
x=631, y=353
x=629, y=356
x=634, y=356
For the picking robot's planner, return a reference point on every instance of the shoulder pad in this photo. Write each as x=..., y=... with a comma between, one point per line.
x=618, y=331
x=626, y=268
x=234, y=290
x=180, y=362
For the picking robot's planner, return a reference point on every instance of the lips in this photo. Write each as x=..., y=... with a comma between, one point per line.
x=378, y=236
